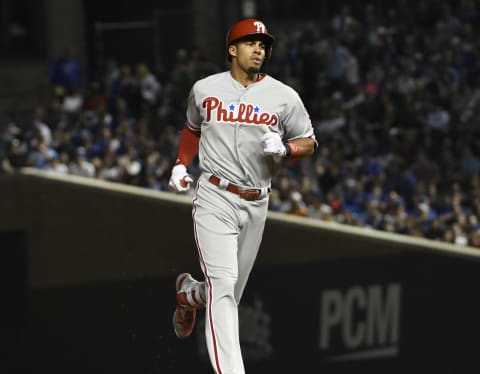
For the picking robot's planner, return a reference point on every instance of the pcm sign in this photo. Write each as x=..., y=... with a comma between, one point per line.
x=361, y=321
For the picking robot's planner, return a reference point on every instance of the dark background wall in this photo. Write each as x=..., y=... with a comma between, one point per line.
x=88, y=272
x=132, y=232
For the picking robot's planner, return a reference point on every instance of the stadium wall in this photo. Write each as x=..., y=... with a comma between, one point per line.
x=88, y=269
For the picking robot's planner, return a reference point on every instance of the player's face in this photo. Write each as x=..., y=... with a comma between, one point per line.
x=250, y=55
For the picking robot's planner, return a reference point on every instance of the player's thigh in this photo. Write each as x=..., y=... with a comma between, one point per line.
x=249, y=243
x=217, y=244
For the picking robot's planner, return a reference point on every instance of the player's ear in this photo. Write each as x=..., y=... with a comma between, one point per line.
x=232, y=50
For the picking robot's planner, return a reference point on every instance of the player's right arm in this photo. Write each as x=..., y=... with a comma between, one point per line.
x=188, y=145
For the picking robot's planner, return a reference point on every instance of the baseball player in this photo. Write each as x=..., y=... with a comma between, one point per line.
x=240, y=122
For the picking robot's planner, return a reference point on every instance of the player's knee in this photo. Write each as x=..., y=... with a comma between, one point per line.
x=223, y=286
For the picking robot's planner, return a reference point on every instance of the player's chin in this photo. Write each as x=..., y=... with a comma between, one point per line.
x=254, y=69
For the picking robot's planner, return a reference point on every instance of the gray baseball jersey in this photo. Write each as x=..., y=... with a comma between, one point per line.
x=233, y=121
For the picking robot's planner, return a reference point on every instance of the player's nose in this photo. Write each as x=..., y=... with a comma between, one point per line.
x=258, y=47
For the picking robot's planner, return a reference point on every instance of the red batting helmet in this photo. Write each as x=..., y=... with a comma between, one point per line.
x=250, y=27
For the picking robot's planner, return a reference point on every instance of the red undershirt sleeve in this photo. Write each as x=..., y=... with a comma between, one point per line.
x=187, y=146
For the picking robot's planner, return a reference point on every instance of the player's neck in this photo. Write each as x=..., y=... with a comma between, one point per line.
x=245, y=78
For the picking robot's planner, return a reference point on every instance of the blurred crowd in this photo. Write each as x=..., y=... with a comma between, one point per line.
x=394, y=96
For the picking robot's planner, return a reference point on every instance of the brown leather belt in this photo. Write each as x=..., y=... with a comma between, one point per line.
x=246, y=194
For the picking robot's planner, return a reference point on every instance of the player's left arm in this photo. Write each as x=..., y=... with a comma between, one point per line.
x=300, y=148
x=299, y=137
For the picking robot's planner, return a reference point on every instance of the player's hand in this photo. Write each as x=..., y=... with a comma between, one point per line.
x=180, y=180
x=273, y=145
